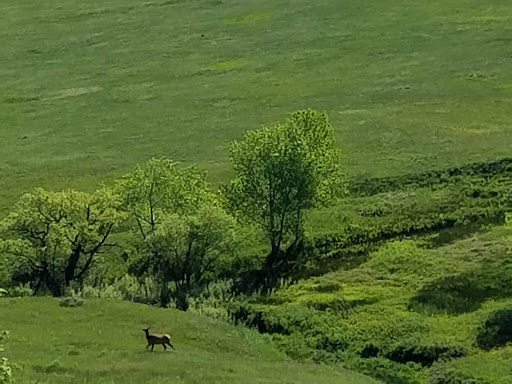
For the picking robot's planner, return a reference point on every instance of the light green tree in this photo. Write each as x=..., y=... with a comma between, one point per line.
x=54, y=238
x=282, y=171
x=182, y=232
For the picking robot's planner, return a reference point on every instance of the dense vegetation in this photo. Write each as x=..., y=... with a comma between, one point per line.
x=5, y=368
x=410, y=313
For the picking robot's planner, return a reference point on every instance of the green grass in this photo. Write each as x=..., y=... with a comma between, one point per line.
x=102, y=342
x=90, y=90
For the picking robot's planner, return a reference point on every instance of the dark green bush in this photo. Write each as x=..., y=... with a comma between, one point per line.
x=450, y=376
x=389, y=371
x=484, y=169
x=497, y=330
x=369, y=351
x=425, y=355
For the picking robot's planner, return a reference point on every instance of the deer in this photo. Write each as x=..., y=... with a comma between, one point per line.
x=157, y=338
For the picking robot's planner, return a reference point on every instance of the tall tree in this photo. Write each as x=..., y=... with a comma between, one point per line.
x=282, y=171
x=182, y=232
x=55, y=237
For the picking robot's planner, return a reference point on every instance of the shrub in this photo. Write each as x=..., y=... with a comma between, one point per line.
x=389, y=371
x=425, y=355
x=497, y=330
x=71, y=302
x=21, y=291
x=450, y=376
x=5, y=368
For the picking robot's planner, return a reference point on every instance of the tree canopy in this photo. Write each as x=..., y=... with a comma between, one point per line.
x=55, y=237
x=282, y=171
x=182, y=231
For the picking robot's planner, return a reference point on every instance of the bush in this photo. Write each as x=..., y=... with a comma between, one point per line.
x=126, y=288
x=497, y=330
x=21, y=291
x=5, y=368
x=389, y=371
x=71, y=302
x=425, y=355
x=450, y=376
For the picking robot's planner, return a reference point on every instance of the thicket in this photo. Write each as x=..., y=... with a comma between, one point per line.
x=370, y=318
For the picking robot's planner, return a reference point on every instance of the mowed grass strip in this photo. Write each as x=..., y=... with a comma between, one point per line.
x=89, y=90
x=103, y=342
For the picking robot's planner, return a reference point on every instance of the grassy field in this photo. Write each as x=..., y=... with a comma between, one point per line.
x=88, y=90
x=102, y=342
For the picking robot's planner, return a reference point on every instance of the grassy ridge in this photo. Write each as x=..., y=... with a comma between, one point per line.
x=89, y=90
x=102, y=342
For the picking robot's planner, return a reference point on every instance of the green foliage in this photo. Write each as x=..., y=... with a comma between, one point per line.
x=140, y=290
x=486, y=169
x=483, y=367
x=161, y=187
x=389, y=371
x=71, y=301
x=282, y=171
x=182, y=232
x=363, y=317
x=453, y=294
x=451, y=376
x=188, y=249
x=497, y=330
x=21, y=290
x=5, y=367
x=425, y=355
x=53, y=238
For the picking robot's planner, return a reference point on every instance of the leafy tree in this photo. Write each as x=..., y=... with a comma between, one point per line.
x=282, y=171
x=182, y=231
x=55, y=237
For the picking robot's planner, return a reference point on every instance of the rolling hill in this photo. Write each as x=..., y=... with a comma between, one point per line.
x=103, y=342
x=89, y=90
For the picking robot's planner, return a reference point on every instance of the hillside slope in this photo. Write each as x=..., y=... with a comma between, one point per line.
x=102, y=342
x=90, y=89
x=414, y=312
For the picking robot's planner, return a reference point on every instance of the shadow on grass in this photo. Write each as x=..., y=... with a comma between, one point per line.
x=497, y=330
x=449, y=236
x=455, y=294
x=465, y=292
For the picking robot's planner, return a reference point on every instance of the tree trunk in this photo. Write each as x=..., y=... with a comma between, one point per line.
x=71, y=267
x=165, y=294
x=181, y=298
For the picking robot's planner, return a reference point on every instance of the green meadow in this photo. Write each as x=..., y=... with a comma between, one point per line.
x=89, y=90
